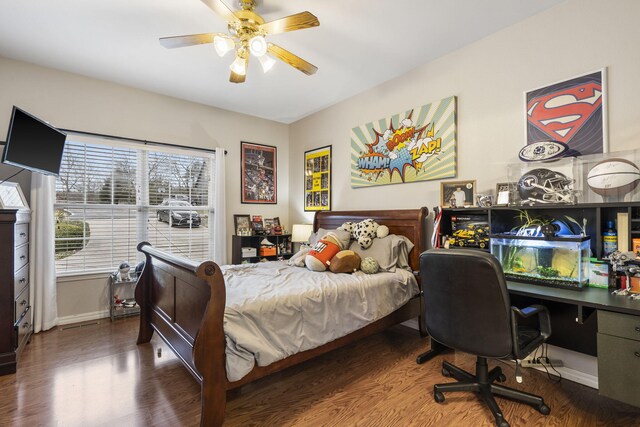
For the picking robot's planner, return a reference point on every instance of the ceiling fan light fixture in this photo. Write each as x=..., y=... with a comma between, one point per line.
x=239, y=66
x=222, y=45
x=258, y=46
x=266, y=62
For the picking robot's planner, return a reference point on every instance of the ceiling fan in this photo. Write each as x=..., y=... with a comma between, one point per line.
x=247, y=32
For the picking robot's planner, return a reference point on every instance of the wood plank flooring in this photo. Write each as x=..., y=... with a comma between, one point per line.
x=96, y=375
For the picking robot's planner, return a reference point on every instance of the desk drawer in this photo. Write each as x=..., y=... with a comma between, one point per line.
x=23, y=330
x=21, y=234
x=619, y=325
x=619, y=368
x=21, y=257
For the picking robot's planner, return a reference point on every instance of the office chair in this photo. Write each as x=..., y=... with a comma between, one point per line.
x=467, y=308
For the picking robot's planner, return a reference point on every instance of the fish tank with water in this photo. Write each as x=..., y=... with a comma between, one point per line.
x=558, y=261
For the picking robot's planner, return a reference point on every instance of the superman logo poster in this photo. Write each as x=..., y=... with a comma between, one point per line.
x=571, y=112
x=417, y=145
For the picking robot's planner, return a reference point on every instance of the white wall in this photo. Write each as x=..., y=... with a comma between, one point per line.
x=74, y=102
x=489, y=78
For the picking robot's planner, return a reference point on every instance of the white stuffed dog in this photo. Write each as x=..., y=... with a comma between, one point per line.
x=365, y=231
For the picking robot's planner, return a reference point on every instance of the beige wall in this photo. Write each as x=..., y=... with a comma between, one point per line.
x=81, y=103
x=489, y=78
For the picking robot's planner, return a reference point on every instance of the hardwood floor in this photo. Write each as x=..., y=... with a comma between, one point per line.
x=96, y=375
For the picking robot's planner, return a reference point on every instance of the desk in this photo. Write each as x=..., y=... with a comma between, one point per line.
x=590, y=321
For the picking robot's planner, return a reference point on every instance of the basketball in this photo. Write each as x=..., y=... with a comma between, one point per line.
x=613, y=177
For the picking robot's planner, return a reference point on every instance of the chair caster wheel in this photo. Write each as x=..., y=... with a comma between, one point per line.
x=438, y=397
x=501, y=378
x=446, y=373
x=544, y=409
x=503, y=424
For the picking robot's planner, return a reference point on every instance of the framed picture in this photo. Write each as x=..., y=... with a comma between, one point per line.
x=572, y=112
x=258, y=173
x=11, y=196
x=317, y=176
x=457, y=194
x=242, y=225
x=268, y=224
x=256, y=224
x=276, y=221
x=505, y=193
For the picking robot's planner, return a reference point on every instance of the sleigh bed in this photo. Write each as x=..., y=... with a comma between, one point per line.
x=185, y=302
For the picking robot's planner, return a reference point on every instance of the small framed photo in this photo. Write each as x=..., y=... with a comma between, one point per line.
x=457, y=194
x=276, y=221
x=268, y=225
x=256, y=224
x=242, y=225
x=503, y=192
x=11, y=196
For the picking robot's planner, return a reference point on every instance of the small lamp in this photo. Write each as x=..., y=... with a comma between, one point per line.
x=301, y=233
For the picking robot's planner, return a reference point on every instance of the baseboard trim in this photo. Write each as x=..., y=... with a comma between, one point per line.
x=84, y=317
x=573, y=375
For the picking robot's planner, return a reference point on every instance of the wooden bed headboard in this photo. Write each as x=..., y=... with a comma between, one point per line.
x=411, y=223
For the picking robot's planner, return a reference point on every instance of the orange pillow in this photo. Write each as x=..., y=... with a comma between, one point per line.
x=319, y=257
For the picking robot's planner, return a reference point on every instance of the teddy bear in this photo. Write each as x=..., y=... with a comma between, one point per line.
x=365, y=231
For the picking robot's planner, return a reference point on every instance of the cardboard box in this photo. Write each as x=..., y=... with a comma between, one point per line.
x=249, y=252
x=267, y=250
x=636, y=246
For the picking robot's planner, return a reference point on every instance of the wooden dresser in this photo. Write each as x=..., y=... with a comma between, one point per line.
x=16, y=323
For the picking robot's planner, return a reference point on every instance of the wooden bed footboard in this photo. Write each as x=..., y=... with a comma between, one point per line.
x=184, y=303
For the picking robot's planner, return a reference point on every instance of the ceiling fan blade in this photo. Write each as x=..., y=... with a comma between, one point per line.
x=299, y=21
x=222, y=9
x=240, y=78
x=291, y=59
x=188, y=40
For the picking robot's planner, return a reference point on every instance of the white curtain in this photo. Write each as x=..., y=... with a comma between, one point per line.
x=42, y=268
x=220, y=215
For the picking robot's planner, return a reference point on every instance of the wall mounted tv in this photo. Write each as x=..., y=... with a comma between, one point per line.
x=33, y=144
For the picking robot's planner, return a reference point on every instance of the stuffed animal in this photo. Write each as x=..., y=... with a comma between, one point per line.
x=369, y=265
x=345, y=262
x=319, y=257
x=365, y=231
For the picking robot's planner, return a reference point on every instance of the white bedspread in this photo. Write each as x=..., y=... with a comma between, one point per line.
x=274, y=310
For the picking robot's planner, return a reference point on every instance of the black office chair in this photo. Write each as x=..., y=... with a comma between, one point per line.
x=467, y=308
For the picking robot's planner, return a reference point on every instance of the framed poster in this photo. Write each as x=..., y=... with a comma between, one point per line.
x=418, y=144
x=258, y=168
x=572, y=112
x=317, y=179
x=11, y=196
x=457, y=194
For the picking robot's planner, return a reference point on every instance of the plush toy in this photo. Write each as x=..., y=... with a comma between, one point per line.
x=369, y=265
x=345, y=262
x=319, y=257
x=365, y=231
x=348, y=226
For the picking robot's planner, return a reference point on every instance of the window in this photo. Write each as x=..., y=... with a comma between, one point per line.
x=110, y=196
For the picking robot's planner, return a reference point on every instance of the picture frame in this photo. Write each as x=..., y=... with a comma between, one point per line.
x=317, y=179
x=257, y=224
x=587, y=133
x=242, y=225
x=258, y=168
x=463, y=193
x=504, y=193
x=12, y=197
x=268, y=224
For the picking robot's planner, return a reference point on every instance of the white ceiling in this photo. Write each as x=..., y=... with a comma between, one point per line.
x=358, y=45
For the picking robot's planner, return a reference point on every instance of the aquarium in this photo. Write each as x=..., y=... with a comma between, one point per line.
x=559, y=261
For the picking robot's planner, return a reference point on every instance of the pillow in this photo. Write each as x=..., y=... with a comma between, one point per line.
x=344, y=237
x=345, y=262
x=390, y=252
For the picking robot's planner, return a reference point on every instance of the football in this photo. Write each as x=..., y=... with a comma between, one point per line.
x=613, y=178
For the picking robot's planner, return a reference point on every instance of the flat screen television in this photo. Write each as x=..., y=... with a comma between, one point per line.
x=33, y=144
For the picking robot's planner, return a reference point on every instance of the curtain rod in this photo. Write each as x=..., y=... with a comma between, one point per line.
x=139, y=141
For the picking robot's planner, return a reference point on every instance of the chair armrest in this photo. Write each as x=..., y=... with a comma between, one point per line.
x=544, y=324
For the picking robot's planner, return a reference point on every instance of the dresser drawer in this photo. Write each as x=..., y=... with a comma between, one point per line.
x=23, y=330
x=20, y=304
x=619, y=368
x=619, y=325
x=21, y=257
x=21, y=234
x=20, y=280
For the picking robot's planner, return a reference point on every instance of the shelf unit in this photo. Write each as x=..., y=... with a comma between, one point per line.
x=504, y=218
x=125, y=290
x=282, y=244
